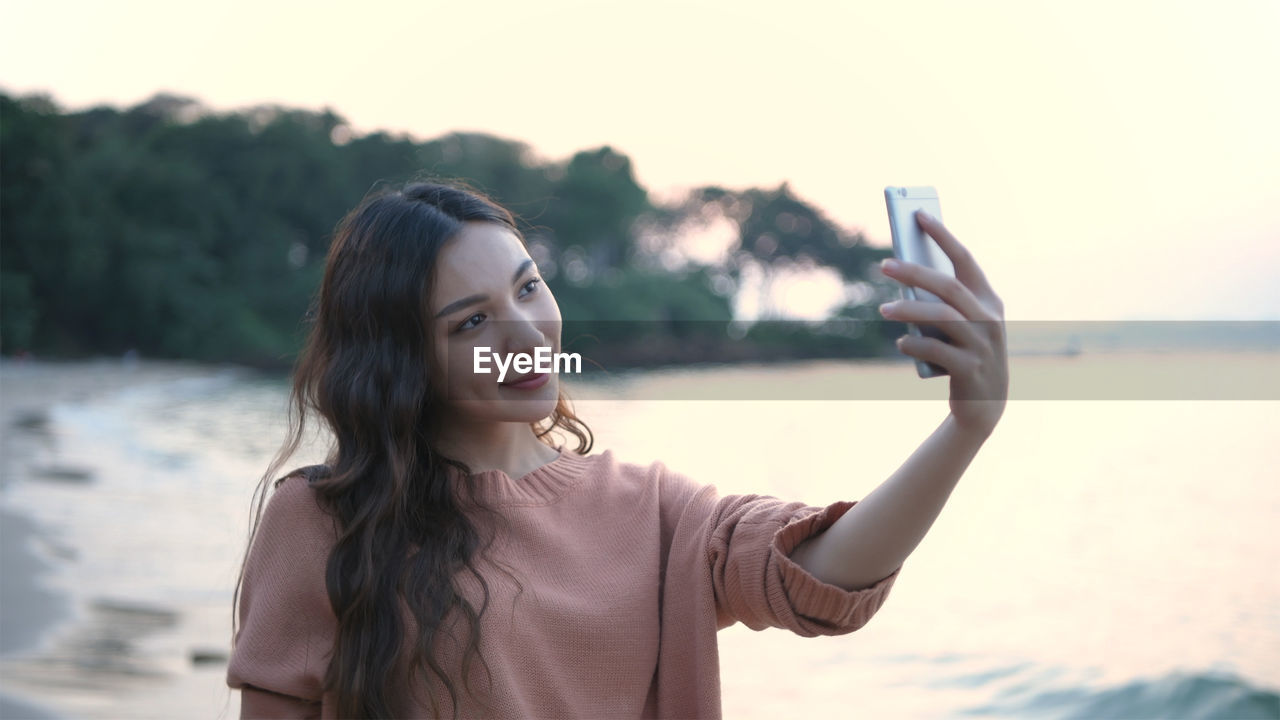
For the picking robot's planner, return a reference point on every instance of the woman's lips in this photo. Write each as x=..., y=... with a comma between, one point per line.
x=529, y=382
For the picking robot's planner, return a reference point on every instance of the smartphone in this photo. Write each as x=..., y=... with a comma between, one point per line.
x=912, y=244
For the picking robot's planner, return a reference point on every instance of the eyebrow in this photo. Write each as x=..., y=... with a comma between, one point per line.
x=473, y=299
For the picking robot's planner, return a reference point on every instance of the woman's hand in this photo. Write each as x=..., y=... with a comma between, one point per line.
x=971, y=315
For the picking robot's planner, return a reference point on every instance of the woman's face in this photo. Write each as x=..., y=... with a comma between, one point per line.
x=488, y=294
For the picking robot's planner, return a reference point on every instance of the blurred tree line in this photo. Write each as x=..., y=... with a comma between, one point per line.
x=173, y=231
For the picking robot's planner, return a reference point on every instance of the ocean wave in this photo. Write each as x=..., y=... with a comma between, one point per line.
x=1192, y=696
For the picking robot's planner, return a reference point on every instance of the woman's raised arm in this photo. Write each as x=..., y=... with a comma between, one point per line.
x=875, y=536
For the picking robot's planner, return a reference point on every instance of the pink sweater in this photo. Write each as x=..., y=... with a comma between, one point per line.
x=628, y=572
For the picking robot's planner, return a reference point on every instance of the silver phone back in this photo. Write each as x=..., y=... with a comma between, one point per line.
x=911, y=244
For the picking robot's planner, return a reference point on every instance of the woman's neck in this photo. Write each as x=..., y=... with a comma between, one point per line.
x=510, y=447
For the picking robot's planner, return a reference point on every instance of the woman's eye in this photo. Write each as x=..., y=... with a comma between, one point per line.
x=526, y=289
x=471, y=321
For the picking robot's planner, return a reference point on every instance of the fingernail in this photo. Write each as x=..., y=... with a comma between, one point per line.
x=889, y=264
x=924, y=215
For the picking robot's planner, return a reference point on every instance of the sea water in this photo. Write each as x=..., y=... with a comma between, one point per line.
x=1099, y=558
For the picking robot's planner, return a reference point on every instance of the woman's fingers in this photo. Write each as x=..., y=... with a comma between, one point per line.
x=950, y=289
x=937, y=352
x=967, y=270
x=943, y=317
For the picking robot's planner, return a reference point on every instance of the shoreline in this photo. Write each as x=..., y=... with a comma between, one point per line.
x=37, y=617
x=24, y=596
x=30, y=612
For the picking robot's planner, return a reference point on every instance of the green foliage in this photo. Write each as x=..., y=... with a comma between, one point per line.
x=777, y=227
x=178, y=232
x=639, y=306
x=596, y=202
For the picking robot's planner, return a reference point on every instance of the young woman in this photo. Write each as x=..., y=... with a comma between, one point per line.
x=450, y=559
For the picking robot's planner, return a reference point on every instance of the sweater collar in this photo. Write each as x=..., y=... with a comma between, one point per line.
x=542, y=486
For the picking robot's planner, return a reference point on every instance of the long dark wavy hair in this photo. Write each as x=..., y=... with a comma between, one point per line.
x=404, y=531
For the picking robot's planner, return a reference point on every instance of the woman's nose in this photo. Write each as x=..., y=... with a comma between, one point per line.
x=523, y=334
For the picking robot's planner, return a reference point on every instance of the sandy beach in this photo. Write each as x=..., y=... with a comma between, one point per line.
x=58, y=657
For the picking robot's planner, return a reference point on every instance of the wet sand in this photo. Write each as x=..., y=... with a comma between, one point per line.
x=28, y=610
x=46, y=642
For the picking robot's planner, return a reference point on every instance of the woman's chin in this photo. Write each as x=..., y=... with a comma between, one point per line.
x=516, y=405
x=525, y=410
x=533, y=410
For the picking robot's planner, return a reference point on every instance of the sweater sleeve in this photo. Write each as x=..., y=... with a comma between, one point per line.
x=743, y=543
x=287, y=624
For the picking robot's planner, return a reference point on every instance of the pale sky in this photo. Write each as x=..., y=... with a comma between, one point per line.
x=1102, y=160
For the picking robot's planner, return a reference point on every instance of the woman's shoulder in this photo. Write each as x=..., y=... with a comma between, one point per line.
x=651, y=473
x=295, y=507
x=290, y=548
x=308, y=475
x=606, y=463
